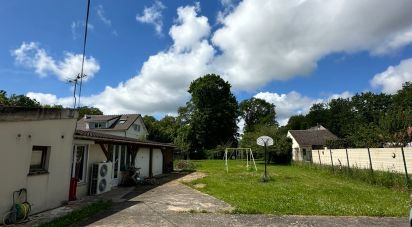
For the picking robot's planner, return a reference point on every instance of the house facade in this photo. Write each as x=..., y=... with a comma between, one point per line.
x=36, y=153
x=121, y=140
x=303, y=141
x=44, y=153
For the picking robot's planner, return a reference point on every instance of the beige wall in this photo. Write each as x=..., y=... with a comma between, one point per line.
x=385, y=159
x=45, y=191
x=142, y=161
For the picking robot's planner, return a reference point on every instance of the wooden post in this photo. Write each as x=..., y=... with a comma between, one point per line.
x=320, y=162
x=404, y=165
x=105, y=151
x=151, y=162
x=370, y=160
x=347, y=157
x=331, y=159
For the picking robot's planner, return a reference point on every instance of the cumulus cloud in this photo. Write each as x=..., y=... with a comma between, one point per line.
x=31, y=56
x=102, y=17
x=50, y=99
x=265, y=40
x=77, y=28
x=153, y=15
x=391, y=80
x=294, y=103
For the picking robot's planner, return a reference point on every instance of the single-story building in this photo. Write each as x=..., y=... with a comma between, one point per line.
x=36, y=153
x=43, y=152
x=303, y=141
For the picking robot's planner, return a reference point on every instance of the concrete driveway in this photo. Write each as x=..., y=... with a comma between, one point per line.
x=174, y=204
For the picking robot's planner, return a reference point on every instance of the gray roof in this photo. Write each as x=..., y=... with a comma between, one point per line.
x=129, y=120
x=107, y=138
x=312, y=136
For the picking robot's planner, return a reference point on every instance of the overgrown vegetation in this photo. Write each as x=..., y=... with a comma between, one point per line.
x=388, y=179
x=184, y=165
x=79, y=215
x=298, y=190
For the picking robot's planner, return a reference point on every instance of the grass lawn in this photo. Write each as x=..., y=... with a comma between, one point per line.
x=298, y=190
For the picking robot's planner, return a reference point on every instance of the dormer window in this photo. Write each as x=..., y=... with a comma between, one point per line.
x=93, y=125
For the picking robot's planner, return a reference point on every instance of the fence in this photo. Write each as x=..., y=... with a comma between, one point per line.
x=383, y=159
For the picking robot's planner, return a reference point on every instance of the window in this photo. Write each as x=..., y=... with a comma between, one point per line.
x=97, y=125
x=80, y=163
x=38, y=162
x=122, y=121
x=136, y=127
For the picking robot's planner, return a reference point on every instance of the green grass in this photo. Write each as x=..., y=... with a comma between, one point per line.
x=79, y=215
x=298, y=190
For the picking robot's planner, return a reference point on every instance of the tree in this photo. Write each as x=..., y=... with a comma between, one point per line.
x=23, y=101
x=257, y=112
x=3, y=98
x=297, y=122
x=163, y=130
x=318, y=114
x=213, y=120
x=85, y=110
x=280, y=152
x=369, y=107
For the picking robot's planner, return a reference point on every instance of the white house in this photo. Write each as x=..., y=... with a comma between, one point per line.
x=44, y=153
x=121, y=140
x=303, y=141
x=36, y=154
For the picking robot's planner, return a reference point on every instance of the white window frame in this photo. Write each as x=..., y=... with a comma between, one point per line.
x=85, y=162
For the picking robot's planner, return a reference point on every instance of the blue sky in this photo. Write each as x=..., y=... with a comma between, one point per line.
x=142, y=55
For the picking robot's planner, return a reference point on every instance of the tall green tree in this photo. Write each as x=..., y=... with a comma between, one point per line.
x=257, y=112
x=297, y=122
x=213, y=120
x=86, y=110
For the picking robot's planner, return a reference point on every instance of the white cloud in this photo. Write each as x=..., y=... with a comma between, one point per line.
x=31, y=56
x=153, y=15
x=393, y=77
x=102, y=17
x=294, y=103
x=265, y=40
x=50, y=99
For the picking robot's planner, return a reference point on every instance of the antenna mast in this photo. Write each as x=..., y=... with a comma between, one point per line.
x=84, y=52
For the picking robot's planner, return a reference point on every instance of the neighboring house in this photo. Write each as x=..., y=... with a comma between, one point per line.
x=36, y=153
x=303, y=141
x=120, y=139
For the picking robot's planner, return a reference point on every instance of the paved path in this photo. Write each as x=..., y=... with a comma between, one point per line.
x=174, y=204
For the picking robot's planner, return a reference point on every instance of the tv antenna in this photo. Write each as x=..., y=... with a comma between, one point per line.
x=75, y=81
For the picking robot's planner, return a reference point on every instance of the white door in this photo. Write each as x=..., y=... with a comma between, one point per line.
x=157, y=162
x=142, y=161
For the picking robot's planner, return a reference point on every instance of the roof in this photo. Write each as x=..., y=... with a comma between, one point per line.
x=102, y=137
x=129, y=120
x=314, y=136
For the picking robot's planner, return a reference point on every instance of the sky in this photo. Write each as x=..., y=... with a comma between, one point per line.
x=141, y=55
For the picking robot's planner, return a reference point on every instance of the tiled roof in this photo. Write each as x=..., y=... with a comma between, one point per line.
x=312, y=136
x=116, y=126
x=102, y=137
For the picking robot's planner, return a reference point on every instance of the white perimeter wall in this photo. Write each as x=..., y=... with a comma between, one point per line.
x=45, y=191
x=384, y=159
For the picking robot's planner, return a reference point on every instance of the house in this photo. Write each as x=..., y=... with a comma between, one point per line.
x=36, y=154
x=121, y=140
x=303, y=141
x=44, y=153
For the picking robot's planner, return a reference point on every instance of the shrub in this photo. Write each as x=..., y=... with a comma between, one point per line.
x=185, y=165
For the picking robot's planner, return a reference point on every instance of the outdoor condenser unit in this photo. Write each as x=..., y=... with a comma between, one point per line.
x=100, y=178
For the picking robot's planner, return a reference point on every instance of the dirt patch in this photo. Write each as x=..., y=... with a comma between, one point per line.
x=199, y=185
x=193, y=176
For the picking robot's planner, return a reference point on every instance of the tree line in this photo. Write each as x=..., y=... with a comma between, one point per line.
x=364, y=120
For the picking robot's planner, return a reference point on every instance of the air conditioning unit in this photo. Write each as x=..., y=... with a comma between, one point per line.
x=101, y=178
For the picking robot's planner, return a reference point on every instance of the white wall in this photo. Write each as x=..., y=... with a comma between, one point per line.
x=384, y=159
x=45, y=191
x=142, y=161
x=157, y=162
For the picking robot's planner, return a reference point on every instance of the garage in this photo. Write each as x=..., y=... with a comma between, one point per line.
x=157, y=162
x=142, y=161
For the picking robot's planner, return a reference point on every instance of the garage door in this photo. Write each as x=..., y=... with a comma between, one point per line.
x=142, y=161
x=157, y=162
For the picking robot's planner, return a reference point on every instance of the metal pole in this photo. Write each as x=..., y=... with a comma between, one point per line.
x=265, y=161
x=370, y=160
x=404, y=165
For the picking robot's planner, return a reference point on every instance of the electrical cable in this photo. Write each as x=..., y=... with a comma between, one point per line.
x=84, y=49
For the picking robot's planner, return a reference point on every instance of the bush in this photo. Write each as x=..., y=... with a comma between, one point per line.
x=185, y=165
